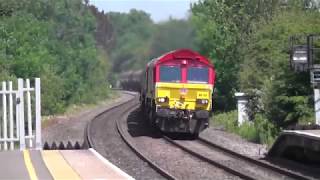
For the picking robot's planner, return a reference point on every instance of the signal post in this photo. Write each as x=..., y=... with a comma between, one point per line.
x=305, y=56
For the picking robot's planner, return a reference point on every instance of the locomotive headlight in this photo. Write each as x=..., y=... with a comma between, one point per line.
x=161, y=99
x=202, y=101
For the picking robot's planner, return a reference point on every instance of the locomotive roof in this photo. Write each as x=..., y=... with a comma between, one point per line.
x=180, y=54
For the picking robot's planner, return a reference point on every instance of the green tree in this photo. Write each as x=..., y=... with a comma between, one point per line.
x=223, y=29
x=171, y=35
x=132, y=33
x=286, y=96
x=54, y=40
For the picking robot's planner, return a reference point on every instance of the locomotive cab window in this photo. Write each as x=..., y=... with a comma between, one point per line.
x=170, y=74
x=198, y=75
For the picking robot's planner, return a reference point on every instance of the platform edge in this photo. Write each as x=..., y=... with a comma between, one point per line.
x=108, y=163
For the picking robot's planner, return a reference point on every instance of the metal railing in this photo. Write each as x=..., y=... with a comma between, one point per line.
x=20, y=117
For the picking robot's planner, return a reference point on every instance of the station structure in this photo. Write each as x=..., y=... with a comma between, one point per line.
x=303, y=144
x=21, y=151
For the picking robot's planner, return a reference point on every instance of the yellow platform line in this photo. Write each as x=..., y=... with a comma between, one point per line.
x=58, y=166
x=29, y=165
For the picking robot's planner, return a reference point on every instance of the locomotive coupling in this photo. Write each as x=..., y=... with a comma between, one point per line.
x=168, y=113
x=180, y=114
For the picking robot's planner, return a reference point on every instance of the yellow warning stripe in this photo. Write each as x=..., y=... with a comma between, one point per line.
x=58, y=166
x=29, y=165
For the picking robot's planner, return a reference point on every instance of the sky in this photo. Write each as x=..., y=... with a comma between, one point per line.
x=160, y=10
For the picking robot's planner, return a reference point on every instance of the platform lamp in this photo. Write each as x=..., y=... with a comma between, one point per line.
x=302, y=59
x=299, y=58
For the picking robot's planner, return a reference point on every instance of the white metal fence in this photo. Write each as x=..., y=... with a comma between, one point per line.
x=20, y=115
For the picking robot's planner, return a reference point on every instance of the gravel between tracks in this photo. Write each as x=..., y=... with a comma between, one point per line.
x=71, y=128
x=107, y=141
x=234, y=142
x=233, y=162
x=177, y=162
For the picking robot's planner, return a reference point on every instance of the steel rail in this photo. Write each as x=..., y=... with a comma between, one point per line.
x=228, y=169
x=126, y=137
x=210, y=161
x=87, y=133
x=255, y=161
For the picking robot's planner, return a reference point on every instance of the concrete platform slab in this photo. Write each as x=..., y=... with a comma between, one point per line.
x=307, y=133
x=298, y=145
x=57, y=164
x=12, y=165
x=89, y=166
x=41, y=169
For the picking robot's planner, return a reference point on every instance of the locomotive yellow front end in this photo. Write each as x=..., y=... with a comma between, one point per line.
x=183, y=107
x=184, y=96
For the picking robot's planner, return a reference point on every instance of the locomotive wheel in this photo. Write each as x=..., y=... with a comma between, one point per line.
x=195, y=135
x=142, y=107
x=206, y=122
x=151, y=118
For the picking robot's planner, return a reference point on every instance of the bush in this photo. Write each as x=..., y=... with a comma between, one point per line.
x=259, y=131
x=267, y=131
x=248, y=131
x=228, y=120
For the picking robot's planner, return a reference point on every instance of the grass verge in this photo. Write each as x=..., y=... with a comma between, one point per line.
x=77, y=108
x=259, y=131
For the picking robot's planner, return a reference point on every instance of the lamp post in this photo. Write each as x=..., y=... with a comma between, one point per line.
x=299, y=58
x=305, y=58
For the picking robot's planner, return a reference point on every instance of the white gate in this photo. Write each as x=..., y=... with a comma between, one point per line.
x=20, y=117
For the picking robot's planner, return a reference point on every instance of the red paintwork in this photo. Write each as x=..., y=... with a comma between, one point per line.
x=185, y=58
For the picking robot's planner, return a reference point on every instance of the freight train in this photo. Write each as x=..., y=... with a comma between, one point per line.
x=130, y=80
x=176, y=91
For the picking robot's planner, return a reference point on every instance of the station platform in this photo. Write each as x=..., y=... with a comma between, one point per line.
x=57, y=164
x=298, y=145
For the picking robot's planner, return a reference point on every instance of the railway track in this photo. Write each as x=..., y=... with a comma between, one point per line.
x=262, y=163
x=127, y=138
x=242, y=166
x=230, y=162
x=125, y=107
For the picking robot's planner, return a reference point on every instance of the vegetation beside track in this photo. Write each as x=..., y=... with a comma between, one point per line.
x=259, y=131
x=137, y=39
x=77, y=109
x=248, y=41
x=76, y=49
x=53, y=40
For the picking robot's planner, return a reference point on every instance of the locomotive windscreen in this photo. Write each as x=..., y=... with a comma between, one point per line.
x=170, y=74
x=198, y=75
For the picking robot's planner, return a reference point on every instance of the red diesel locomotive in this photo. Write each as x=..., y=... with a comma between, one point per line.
x=176, y=91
